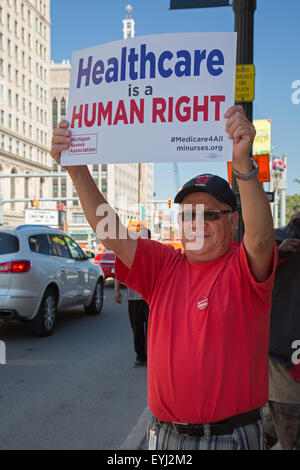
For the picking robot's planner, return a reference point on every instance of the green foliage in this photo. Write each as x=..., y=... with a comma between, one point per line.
x=292, y=205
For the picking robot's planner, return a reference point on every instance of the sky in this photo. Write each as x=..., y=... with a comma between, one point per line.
x=77, y=24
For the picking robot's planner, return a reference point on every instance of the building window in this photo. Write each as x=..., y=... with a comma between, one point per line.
x=104, y=180
x=75, y=203
x=63, y=187
x=2, y=117
x=63, y=113
x=95, y=172
x=54, y=113
x=78, y=218
x=2, y=94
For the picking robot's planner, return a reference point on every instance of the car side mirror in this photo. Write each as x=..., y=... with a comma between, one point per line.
x=89, y=254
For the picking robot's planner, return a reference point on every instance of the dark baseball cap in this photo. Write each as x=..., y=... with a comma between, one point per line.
x=212, y=184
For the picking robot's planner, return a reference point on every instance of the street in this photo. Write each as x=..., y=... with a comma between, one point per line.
x=76, y=389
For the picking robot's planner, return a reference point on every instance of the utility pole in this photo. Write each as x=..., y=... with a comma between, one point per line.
x=244, y=27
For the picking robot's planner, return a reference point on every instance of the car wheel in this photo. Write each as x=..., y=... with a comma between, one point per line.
x=44, y=322
x=96, y=304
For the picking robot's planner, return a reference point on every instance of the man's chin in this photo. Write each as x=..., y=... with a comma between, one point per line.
x=195, y=244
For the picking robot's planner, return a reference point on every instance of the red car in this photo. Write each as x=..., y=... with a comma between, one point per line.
x=106, y=260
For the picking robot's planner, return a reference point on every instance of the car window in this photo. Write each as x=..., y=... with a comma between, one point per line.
x=75, y=250
x=59, y=247
x=40, y=244
x=8, y=244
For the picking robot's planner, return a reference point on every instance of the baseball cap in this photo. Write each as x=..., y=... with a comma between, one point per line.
x=212, y=184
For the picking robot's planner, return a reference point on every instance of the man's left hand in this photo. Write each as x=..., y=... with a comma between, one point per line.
x=242, y=131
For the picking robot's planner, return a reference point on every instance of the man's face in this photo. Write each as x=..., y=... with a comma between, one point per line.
x=217, y=234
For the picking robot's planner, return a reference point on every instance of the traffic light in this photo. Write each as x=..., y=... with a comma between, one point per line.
x=170, y=203
x=35, y=203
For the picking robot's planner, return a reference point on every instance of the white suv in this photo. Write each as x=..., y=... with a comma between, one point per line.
x=42, y=270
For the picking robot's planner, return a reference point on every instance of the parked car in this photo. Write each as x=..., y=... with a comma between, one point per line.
x=43, y=270
x=106, y=260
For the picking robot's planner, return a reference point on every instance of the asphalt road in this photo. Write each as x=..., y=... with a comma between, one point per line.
x=76, y=389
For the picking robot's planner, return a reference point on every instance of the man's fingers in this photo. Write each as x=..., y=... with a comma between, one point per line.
x=237, y=122
x=63, y=124
x=59, y=131
x=234, y=109
x=237, y=116
x=60, y=139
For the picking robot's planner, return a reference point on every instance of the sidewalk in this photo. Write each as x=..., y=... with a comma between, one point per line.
x=137, y=437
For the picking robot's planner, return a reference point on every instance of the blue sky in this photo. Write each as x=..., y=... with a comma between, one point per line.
x=77, y=24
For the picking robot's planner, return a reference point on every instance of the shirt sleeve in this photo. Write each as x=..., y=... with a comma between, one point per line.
x=151, y=258
x=263, y=289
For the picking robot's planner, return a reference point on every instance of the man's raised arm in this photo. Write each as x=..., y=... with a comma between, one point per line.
x=100, y=215
x=257, y=217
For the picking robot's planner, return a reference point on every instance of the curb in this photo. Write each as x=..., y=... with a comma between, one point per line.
x=137, y=435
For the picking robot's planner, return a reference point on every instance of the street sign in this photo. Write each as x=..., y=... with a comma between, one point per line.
x=182, y=4
x=41, y=217
x=271, y=196
x=262, y=140
x=244, y=83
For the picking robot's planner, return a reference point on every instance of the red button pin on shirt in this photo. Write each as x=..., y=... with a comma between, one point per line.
x=202, y=303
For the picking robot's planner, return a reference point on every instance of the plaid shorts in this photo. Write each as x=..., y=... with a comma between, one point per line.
x=250, y=437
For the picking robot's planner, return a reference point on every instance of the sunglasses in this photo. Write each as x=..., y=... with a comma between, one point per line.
x=211, y=214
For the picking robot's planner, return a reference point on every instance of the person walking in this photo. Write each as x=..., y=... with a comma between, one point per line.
x=208, y=328
x=282, y=421
x=138, y=311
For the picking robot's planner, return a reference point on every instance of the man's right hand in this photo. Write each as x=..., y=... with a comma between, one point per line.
x=60, y=141
x=290, y=244
x=118, y=297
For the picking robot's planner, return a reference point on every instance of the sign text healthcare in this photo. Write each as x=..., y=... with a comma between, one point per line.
x=165, y=65
x=142, y=64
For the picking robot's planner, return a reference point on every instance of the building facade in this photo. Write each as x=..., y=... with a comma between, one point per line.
x=25, y=111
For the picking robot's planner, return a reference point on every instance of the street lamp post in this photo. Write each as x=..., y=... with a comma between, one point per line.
x=244, y=27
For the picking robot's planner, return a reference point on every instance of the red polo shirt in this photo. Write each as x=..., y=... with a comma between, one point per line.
x=208, y=332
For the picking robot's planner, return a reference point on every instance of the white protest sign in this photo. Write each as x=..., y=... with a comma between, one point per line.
x=155, y=98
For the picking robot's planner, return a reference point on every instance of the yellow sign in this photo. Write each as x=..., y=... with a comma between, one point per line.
x=262, y=141
x=244, y=83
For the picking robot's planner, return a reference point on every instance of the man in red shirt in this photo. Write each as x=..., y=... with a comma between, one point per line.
x=209, y=307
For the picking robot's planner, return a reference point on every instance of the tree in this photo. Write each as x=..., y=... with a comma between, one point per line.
x=292, y=205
